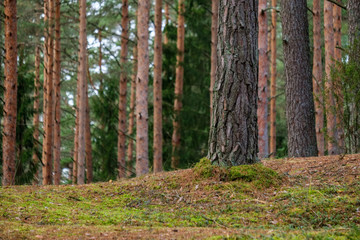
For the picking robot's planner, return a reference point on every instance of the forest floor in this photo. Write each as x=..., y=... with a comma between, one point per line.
x=303, y=198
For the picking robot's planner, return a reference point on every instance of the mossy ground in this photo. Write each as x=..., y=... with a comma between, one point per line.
x=293, y=199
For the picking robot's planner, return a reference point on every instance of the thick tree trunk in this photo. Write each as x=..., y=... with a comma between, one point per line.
x=82, y=94
x=10, y=106
x=56, y=76
x=339, y=98
x=329, y=63
x=214, y=25
x=158, y=161
x=317, y=78
x=142, y=117
x=353, y=7
x=130, y=149
x=234, y=133
x=262, y=111
x=48, y=94
x=273, y=82
x=299, y=93
x=123, y=91
x=88, y=147
x=36, y=120
x=179, y=82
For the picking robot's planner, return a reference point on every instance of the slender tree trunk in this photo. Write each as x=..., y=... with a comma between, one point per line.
x=339, y=98
x=10, y=106
x=158, y=166
x=317, y=78
x=179, y=82
x=123, y=91
x=234, y=134
x=130, y=148
x=142, y=117
x=214, y=25
x=48, y=94
x=273, y=82
x=262, y=111
x=36, y=120
x=57, y=76
x=299, y=93
x=76, y=139
x=100, y=59
x=329, y=56
x=353, y=7
x=88, y=147
x=82, y=94
x=167, y=18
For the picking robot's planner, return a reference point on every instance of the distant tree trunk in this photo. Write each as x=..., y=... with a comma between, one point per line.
x=299, y=93
x=100, y=59
x=179, y=82
x=339, y=98
x=56, y=76
x=262, y=111
x=36, y=120
x=82, y=94
x=214, y=25
x=234, y=134
x=142, y=117
x=167, y=18
x=88, y=147
x=273, y=82
x=130, y=148
x=123, y=91
x=317, y=78
x=329, y=63
x=10, y=106
x=76, y=140
x=48, y=94
x=353, y=7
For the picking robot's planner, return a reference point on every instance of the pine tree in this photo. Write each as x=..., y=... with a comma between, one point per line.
x=299, y=92
x=214, y=28
x=262, y=111
x=234, y=134
x=158, y=162
x=10, y=107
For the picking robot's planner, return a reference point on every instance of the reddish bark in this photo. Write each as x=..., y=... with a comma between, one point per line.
x=214, y=25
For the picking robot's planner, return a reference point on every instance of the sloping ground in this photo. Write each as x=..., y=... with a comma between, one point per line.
x=308, y=198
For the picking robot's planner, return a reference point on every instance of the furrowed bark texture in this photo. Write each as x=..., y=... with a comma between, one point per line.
x=299, y=93
x=56, y=76
x=130, y=149
x=262, y=111
x=329, y=87
x=214, y=25
x=317, y=79
x=158, y=166
x=273, y=82
x=353, y=7
x=234, y=133
x=142, y=116
x=36, y=120
x=339, y=98
x=121, y=154
x=10, y=106
x=48, y=94
x=82, y=94
x=179, y=82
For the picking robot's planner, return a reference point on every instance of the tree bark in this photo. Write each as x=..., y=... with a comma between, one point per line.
x=179, y=82
x=158, y=161
x=299, y=93
x=167, y=18
x=10, y=96
x=56, y=76
x=234, y=133
x=142, y=117
x=88, y=147
x=82, y=94
x=353, y=7
x=329, y=63
x=214, y=25
x=48, y=93
x=123, y=91
x=262, y=111
x=273, y=82
x=317, y=79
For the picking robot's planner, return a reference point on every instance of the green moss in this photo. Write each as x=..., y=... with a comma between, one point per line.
x=204, y=168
